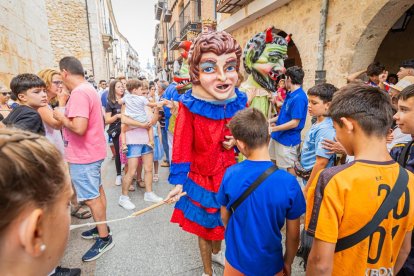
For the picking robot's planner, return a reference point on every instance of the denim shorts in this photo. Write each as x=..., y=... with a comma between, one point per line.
x=86, y=179
x=138, y=150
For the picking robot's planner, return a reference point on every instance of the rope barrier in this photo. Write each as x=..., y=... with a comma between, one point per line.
x=133, y=215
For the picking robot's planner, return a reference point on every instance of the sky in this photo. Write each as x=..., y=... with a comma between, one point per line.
x=136, y=21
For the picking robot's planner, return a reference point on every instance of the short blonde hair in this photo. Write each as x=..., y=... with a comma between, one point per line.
x=47, y=75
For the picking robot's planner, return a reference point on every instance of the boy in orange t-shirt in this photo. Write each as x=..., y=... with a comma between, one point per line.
x=344, y=199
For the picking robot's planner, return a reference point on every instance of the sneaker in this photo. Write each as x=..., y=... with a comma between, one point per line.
x=118, y=180
x=93, y=233
x=126, y=203
x=63, y=271
x=98, y=249
x=218, y=258
x=152, y=197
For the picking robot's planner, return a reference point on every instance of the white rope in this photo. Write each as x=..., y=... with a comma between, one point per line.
x=133, y=215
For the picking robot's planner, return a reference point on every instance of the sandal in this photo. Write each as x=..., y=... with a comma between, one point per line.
x=141, y=183
x=155, y=178
x=85, y=214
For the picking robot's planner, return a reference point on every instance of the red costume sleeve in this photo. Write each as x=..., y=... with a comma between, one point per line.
x=182, y=155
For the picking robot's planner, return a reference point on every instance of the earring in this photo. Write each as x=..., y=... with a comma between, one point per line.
x=43, y=247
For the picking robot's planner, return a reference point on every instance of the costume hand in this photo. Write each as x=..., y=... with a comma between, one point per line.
x=333, y=146
x=173, y=194
x=230, y=143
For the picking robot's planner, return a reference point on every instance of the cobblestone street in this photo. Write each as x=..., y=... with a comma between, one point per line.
x=146, y=245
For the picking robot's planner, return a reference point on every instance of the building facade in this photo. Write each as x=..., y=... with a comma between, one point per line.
x=179, y=20
x=37, y=34
x=330, y=39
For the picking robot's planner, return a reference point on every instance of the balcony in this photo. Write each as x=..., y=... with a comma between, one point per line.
x=173, y=44
x=231, y=6
x=107, y=40
x=159, y=7
x=190, y=27
x=167, y=16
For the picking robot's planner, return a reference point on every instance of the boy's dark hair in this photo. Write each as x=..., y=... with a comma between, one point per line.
x=101, y=81
x=408, y=63
x=296, y=74
x=133, y=84
x=324, y=91
x=250, y=126
x=72, y=65
x=407, y=93
x=369, y=106
x=23, y=82
x=375, y=69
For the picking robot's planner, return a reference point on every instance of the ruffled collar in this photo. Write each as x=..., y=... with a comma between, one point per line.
x=214, y=111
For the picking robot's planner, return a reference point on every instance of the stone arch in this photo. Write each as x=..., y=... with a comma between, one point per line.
x=371, y=38
x=293, y=52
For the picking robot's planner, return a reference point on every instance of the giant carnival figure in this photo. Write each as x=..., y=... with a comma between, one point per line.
x=203, y=147
x=263, y=61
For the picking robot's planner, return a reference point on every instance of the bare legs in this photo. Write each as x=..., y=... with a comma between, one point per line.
x=147, y=160
x=98, y=208
x=208, y=247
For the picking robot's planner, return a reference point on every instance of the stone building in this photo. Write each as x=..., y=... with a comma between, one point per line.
x=37, y=34
x=330, y=39
x=179, y=20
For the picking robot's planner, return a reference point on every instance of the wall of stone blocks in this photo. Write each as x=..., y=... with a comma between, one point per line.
x=355, y=30
x=68, y=28
x=24, y=38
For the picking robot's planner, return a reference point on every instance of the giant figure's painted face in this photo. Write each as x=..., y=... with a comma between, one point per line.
x=263, y=58
x=183, y=77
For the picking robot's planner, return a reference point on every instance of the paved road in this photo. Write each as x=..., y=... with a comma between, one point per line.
x=146, y=245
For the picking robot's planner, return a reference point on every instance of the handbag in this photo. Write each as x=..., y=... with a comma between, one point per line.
x=300, y=171
x=347, y=242
x=252, y=187
x=114, y=129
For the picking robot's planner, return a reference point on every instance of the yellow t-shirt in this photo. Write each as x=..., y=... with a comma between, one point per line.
x=343, y=199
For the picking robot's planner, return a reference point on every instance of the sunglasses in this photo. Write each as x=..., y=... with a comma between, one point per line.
x=57, y=83
x=6, y=93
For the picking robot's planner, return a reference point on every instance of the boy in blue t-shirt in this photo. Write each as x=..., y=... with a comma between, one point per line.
x=313, y=157
x=285, y=142
x=253, y=235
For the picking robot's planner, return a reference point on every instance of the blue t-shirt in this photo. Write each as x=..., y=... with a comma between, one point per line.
x=253, y=238
x=312, y=146
x=170, y=94
x=104, y=98
x=295, y=106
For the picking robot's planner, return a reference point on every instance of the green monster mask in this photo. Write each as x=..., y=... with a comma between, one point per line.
x=263, y=58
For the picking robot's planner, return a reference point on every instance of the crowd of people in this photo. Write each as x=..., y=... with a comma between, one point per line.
x=56, y=127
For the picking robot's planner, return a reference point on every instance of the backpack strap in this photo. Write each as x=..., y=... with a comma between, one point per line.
x=252, y=187
x=402, y=159
x=387, y=205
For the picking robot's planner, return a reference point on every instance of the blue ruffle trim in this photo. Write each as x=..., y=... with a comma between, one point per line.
x=197, y=193
x=178, y=173
x=197, y=214
x=214, y=111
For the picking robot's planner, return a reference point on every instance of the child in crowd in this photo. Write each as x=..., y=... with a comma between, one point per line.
x=135, y=102
x=404, y=153
x=253, y=236
x=29, y=89
x=35, y=195
x=342, y=200
x=313, y=157
x=281, y=91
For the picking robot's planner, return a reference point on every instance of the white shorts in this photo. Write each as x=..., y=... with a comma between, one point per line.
x=285, y=156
